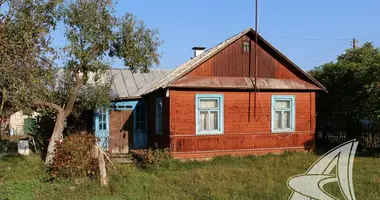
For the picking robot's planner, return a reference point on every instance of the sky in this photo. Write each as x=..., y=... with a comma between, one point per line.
x=310, y=33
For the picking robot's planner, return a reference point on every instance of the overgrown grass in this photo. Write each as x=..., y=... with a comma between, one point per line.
x=262, y=177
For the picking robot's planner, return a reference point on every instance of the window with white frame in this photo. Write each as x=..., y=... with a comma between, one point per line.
x=102, y=118
x=209, y=114
x=159, y=111
x=283, y=113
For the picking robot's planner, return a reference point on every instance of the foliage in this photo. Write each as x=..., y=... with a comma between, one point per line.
x=153, y=158
x=74, y=157
x=25, y=51
x=252, y=177
x=94, y=37
x=353, y=84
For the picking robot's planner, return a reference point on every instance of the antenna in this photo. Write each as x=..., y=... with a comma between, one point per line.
x=256, y=55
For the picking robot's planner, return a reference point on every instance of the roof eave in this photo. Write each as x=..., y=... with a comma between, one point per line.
x=242, y=88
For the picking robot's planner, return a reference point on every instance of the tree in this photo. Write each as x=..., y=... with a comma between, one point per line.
x=23, y=39
x=353, y=82
x=24, y=49
x=94, y=35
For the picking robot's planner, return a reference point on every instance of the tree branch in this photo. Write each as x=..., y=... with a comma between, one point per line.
x=73, y=94
x=49, y=105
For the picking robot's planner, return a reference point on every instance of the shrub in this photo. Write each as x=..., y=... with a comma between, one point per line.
x=153, y=158
x=74, y=158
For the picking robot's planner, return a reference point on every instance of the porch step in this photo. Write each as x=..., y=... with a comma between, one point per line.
x=122, y=160
x=121, y=155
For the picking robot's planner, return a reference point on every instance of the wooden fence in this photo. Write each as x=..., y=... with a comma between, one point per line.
x=368, y=139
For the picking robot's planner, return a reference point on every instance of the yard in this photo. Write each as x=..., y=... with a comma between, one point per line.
x=262, y=177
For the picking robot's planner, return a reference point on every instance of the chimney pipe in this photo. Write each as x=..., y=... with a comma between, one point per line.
x=198, y=50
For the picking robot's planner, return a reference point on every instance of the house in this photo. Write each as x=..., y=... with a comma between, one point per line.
x=124, y=125
x=209, y=105
x=21, y=123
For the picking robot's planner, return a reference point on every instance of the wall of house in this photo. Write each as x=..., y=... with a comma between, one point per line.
x=121, y=131
x=234, y=62
x=156, y=140
x=244, y=127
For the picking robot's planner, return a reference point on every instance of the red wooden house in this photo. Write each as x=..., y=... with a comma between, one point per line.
x=210, y=106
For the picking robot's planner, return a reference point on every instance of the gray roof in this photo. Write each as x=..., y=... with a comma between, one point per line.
x=128, y=85
x=186, y=67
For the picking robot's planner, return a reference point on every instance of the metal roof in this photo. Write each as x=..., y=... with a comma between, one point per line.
x=128, y=85
x=243, y=83
x=185, y=68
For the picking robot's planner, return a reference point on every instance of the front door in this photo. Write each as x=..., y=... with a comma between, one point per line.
x=102, y=127
x=140, y=139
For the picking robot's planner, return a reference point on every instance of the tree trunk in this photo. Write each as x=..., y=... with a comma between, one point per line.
x=63, y=113
x=56, y=136
x=102, y=168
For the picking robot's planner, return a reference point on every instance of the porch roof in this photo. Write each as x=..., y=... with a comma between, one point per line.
x=128, y=85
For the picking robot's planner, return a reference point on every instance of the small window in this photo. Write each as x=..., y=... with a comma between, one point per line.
x=283, y=113
x=159, y=111
x=103, y=118
x=246, y=46
x=209, y=114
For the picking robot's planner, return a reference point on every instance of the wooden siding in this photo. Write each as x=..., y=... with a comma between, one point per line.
x=233, y=62
x=121, y=131
x=240, y=142
x=244, y=128
x=154, y=140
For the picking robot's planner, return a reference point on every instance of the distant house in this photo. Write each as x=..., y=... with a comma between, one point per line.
x=210, y=106
x=20, y=123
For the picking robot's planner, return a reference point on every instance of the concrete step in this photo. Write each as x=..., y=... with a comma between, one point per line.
x=122, y=160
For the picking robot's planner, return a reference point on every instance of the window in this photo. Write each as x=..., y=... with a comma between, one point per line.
x=283, y=113
x=103, y=118
x=123, y=105
x=246, y=46
x=209, y=114
x=140, y=119
x=159, y=111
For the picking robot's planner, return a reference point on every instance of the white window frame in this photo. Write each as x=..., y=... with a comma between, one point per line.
x=292, y=110
x=220, y=99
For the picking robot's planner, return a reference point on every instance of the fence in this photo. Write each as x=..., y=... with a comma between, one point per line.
x=368, y=139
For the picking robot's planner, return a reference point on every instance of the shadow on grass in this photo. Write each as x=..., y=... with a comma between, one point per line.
x=360, y=152
x=8, y=147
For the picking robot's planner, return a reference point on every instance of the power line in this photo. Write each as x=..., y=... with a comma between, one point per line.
x=316, y=39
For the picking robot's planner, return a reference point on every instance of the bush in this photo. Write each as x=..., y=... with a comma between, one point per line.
x=153, y=158
x=73, y=157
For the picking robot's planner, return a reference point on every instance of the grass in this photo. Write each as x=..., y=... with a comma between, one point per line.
x=261, y=177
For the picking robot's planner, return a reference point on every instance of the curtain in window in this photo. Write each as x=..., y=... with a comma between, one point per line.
x=213, y=120
x=203, y=120
x=282, y=114
x=159, y=109
x=208, y=103
x=208, y=117
x=280, y=104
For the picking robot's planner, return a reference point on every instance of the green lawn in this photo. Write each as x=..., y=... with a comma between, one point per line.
x=262, y=177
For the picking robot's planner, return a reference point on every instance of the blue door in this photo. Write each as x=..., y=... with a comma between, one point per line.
x=140, y=140
x=102, y=126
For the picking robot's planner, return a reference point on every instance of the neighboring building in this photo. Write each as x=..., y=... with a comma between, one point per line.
x=20, y=123
x=209, y=106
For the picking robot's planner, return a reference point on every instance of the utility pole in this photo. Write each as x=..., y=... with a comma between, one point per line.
x=256, y=53
x=354, y=41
